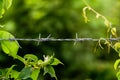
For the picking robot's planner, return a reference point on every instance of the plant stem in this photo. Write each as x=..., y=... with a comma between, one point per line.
x=20, y=58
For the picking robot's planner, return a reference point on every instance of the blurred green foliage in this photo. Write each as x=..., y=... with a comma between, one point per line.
x=63, y=19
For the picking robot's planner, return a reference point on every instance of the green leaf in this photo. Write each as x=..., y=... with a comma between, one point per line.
x=40, y=63
x=7, y=3
x=9, y=71
x=4, y=71
x=117, y=47
x=113, y=31
x=31, y=57
x=25, y=73
x=50, y=70
x=9, y=47
x=4, y=5
x=35, y=74
x=1, y=8
x=56, y=62
x=116, y=64
x=118, y=75
x=14, y=74
x=48, y=60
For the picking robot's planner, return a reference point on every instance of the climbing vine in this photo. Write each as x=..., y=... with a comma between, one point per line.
x=111, y=32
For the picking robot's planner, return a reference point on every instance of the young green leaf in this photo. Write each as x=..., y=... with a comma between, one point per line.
x=14, y=74
x=31, y=57
x=113, y=31
x=56, y=62
x=35, y=74
x=25, y=73
x=4, y=5
x=1, y=8
x=50, y=70
x=116, y=64
x=118, y=75
x=117, y=47
x=9, y=47
x=7, y=3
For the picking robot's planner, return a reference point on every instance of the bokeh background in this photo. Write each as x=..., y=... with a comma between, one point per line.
x=63, y=19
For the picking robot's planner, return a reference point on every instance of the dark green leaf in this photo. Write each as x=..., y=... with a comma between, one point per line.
x=56, y=62
x=25, y=73
x=9, y=47
x=35, y=74
x=50, y=70
x=0, y=72
x=4, y=71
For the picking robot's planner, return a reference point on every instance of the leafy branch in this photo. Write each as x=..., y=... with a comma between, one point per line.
x=32, y=65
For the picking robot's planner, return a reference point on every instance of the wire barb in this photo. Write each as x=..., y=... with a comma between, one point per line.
x=76, y=39
x=39, y=39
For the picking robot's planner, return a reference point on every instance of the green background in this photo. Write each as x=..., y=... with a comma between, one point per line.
x=63, y=19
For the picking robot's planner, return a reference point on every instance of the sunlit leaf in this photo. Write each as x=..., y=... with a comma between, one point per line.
x=14, y=74
x=25, y=73
x=50, y=70
x=9, y=47
x=117, y=47
x=56, y=62
x=31, y=57
x=4, y=5
x=40, y=61
x=118, y=75
x=116, y=64
x=106, y=22
x=7, y=3
x=35, y=74
x=113, y=31
x=1, y=8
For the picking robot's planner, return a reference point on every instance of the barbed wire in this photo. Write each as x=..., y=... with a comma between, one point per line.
x=51, y=39
x=58, y=40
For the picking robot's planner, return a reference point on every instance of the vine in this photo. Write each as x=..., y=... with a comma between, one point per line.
x=112, y=33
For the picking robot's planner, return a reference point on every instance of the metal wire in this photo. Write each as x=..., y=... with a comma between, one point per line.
x=57, y=40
